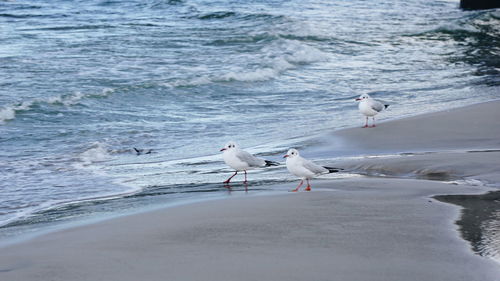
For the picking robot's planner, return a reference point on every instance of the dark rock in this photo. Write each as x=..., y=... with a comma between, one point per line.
x=479, y=4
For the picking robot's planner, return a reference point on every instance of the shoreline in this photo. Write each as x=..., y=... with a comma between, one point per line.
x=318, y=145
x=364, y=228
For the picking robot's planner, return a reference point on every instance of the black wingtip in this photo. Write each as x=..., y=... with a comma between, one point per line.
x=271, y=163
x=333, y=170
x=386, y=105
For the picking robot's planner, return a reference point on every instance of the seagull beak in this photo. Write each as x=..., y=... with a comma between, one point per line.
x=285, y=156
x=222, y=149
x=358, y=99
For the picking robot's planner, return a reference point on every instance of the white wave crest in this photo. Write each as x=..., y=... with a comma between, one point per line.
x=9, y=112
x=276, y=66
x=256, y=75
x=75, y=98
x=96, y=153
x=301, y=53
x=278, y=58
x=197, y=81
x=457, y=26
x=271, y=62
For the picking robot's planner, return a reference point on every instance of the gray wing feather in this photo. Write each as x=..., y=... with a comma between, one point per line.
x=317, y=169
x=251, y=160
x=377, y=106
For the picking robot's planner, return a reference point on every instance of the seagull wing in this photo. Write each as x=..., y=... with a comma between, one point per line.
x=316, y=169
x=377, y=106
x=251, y=160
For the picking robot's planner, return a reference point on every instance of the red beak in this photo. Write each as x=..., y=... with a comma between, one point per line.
x=285, y=156
x=358, y=99
x=222, y=149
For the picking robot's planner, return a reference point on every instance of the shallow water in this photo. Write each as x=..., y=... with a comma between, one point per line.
x=480, y=221
x=84, y=82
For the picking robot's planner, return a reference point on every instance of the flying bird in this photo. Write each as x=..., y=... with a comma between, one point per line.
x=241, y=160
x=304, y=169
x=140, y=151
x=370, y=107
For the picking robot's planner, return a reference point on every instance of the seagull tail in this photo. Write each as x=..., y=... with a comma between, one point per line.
x=271, y=163
x=333, y=170
x=386, y=106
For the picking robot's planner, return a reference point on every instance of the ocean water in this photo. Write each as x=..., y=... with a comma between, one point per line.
x=84, y=82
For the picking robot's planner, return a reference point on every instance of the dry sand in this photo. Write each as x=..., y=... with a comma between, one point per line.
x=351, y=229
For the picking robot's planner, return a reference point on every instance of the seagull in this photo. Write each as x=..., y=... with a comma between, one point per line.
x=304, y=168
x=241, y=160
x=140, y=151
x=370, y=107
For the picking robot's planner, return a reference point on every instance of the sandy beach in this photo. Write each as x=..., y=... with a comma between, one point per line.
x=385, y=225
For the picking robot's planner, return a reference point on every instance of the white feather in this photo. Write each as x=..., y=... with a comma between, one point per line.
x=302, y=167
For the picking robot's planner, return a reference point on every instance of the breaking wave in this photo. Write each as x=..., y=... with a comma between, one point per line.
x=274, y=61
x=9, y=112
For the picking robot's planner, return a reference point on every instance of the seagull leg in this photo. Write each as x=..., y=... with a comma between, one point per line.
x=308, y=187
x=229, y=179
x=373, y=121
x=366, y=123
x=245, y=177
x=300, y=184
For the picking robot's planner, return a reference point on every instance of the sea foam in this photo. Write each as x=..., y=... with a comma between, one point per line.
x=9, y=112
x=96, y=153
x=278, y=58
x=271, y=62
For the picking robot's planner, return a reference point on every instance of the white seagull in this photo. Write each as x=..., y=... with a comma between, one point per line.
x=241, y=160
x=370, y=107
x=304, y=168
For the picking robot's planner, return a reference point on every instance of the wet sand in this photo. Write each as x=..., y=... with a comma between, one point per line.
x=474, y=127
x=387, y=227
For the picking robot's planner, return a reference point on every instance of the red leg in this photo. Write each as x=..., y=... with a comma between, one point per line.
x=308, y=187
x=245, y=177
x=300, y=184
x=366, y=123
x=229, y=179
x=373, y=123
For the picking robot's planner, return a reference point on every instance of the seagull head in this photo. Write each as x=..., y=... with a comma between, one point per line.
x=291, y=153
x=363, y=97
x=230, y=145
